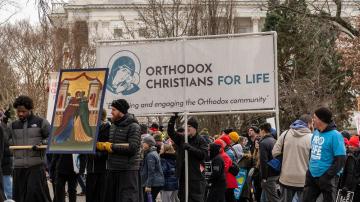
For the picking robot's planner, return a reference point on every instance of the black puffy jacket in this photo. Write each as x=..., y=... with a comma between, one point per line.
x=125, y=130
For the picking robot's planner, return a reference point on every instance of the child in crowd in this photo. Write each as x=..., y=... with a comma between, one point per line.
x=151, y=172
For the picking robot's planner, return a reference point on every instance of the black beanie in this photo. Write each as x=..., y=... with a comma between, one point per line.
x=193, y=123
x=324, y=114
x=121, y=105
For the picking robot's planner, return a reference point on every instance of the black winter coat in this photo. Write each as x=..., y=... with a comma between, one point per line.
x=125, y=130
x=217, y=177
x=197, y=153
x=6, y=163
x=266, y=145
x=96, y=163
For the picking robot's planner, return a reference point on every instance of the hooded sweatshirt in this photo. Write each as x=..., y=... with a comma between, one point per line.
x=296, y=153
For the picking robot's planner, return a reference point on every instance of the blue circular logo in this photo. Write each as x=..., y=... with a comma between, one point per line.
x=124, y=77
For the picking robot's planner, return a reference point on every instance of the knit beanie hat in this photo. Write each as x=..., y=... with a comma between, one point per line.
x=193, y=123
x=220, y=142
x=121, y=105
x=226, y=139
x=234, y=136
x=324, y=114
x=149, y=140
x=354, y=141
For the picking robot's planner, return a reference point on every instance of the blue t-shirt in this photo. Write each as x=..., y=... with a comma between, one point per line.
x=324, y=147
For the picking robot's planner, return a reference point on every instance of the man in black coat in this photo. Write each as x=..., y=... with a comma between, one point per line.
x=197, y=148
x=96, y=166
x=269, y=176
x=123, y=164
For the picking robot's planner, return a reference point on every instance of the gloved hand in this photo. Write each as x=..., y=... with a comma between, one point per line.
x=108, y=147
x=100, y=146
x=187, y=146
x=174, y=117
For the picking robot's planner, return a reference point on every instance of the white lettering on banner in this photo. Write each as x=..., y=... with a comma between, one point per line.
x=317, y=147
x=192, y=75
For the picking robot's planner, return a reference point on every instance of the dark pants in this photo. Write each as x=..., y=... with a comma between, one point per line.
x=30, y=185
x=229, y=195
x=257, y=185
x=313, y=189
x=216, y=195
x=270, y=190
x=196, y=190
x=81, y=182
x=287, y=194
x=61, y=180
x=123, y=186
x=95, y=187
x=154, y=192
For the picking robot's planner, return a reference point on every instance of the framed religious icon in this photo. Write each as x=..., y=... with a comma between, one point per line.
x=77, y=110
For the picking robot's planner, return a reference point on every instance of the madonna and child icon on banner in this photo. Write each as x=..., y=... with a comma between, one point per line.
x=77, y=111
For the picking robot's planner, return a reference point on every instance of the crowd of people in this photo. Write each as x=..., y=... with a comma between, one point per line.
x=309, y=161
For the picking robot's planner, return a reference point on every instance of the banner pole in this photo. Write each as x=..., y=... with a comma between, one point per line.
x=186, y=160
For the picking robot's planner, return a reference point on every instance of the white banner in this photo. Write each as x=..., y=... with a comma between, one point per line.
x=200, y=75
x=53, y=83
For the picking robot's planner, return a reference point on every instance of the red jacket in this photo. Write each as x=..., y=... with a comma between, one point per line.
x=230, y=179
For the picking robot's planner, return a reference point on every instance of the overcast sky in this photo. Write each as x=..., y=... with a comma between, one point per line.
x=24, y=9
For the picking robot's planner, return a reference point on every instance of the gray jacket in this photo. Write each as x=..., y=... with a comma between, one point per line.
x=34, y=130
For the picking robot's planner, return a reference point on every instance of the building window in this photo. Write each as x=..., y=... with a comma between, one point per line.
x=143, y=33
x=118, y=33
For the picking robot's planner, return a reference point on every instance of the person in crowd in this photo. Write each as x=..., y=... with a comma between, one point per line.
x=123, y=164
x=235, y=148
x=246, y=162
x=269, y=177
x=253, y=136
x=205, y=134
x=63, y=167
x=351, y=177
x=168, y=164
x=152, y=176
x=96, y=165
x=29, y=166
x=197, y=149
x=231, y=183
x=294, y=144
x=159, y=141
x=346, y=134
x=7, y=160
x=256, y=176
x=154, y=128
x=2, y=194
x=327, y=158
x=216, y=181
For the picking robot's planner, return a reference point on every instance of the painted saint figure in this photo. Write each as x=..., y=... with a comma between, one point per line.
x=75, y=122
